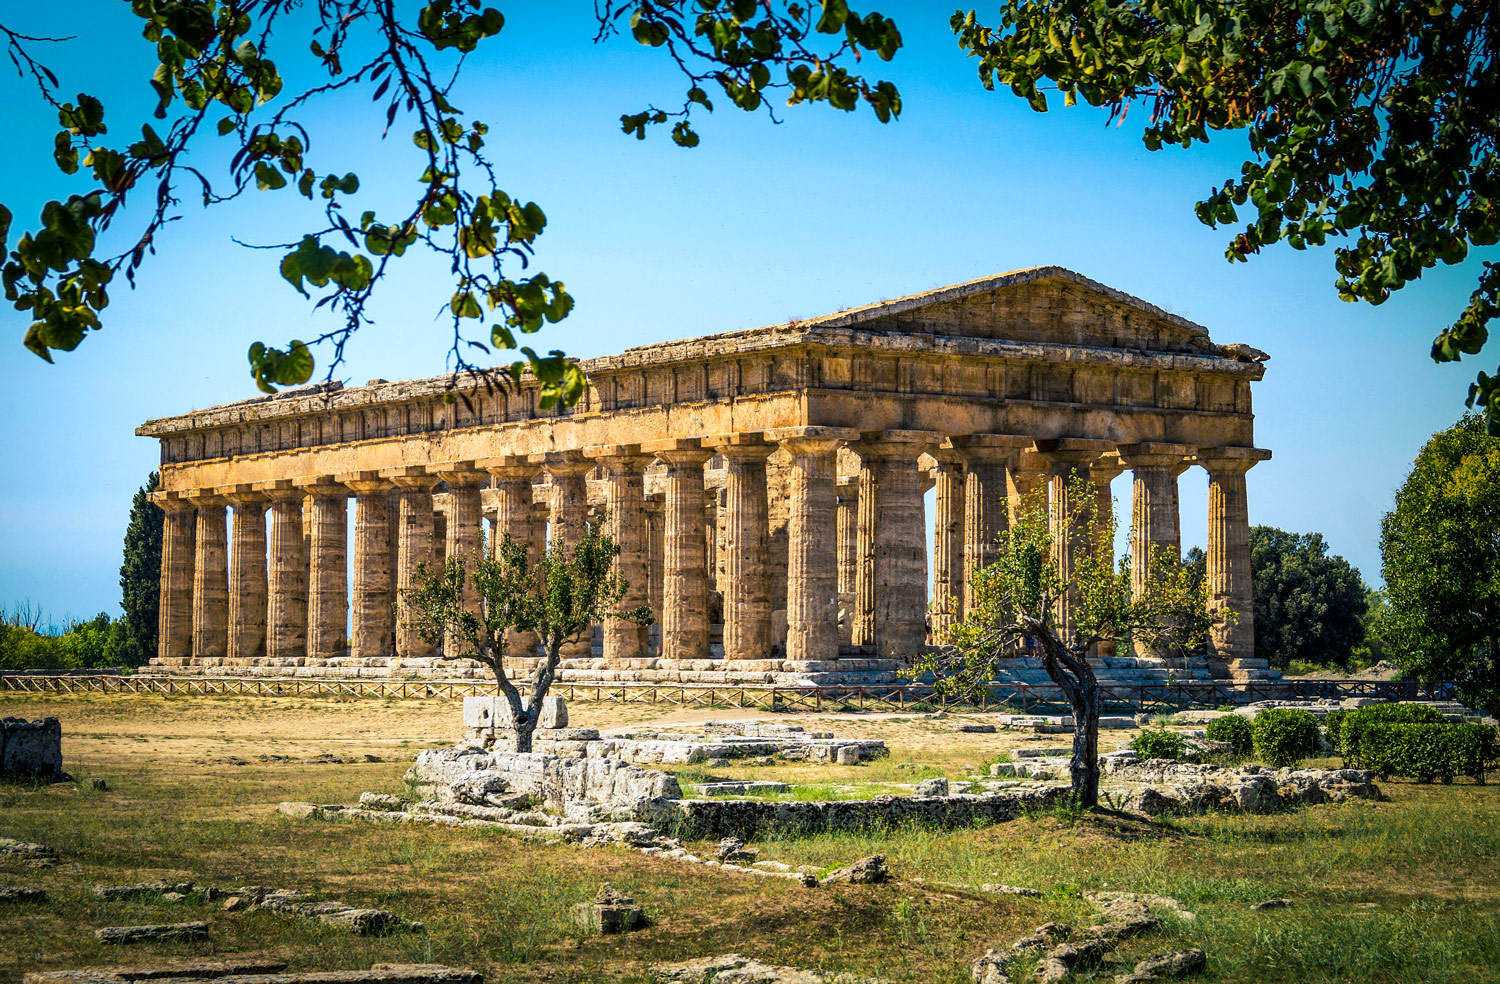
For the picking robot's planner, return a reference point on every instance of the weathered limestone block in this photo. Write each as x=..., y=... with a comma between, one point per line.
x=1176, y=963
x=165, y=933
x=31, y=748
x=22, y=894
x=176, y=970
x=610, y=912
x=731, y=968
x=558, y=782
x=865, y=871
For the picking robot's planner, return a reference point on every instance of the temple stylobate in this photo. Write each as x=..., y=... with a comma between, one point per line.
x=768, y=489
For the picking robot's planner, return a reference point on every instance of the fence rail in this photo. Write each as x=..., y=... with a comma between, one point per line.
x=1025, y=697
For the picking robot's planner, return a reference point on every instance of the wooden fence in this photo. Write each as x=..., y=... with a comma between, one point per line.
x=1020, y=697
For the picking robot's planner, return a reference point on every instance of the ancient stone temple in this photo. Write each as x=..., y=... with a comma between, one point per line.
x=767, y=488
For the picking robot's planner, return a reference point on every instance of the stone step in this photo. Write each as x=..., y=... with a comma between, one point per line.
x=196, y=972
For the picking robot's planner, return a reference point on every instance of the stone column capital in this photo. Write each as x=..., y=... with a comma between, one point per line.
x=561, y=463
x=743, y=446
x=460, y=474
x=205, y=498
x=679, y=452
x=172, y=502
x=896, y=443
x=811, y=440
x=1106, y=467
x=322, y=487
x=514, y=468
x=617, y=456
x=1158, y=455
x=364, y=482
x=411, y=478
x=1070, y=452
x=972, y=448
x=241, y=496
x=1228, y=461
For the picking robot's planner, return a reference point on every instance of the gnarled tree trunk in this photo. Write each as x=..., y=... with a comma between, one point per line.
x=1075, y=678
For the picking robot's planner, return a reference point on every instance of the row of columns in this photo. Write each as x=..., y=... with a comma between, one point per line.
x=864, y=538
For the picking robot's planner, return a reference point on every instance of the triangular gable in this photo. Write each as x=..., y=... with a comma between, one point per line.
x=1040, y=304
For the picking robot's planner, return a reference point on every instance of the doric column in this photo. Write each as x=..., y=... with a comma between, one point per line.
x=747, y=595
x=327, y=522
x=1105, y=469
x=1027, y=476
x=1155, y=523
x=1229, y=585
x=210, y=578
x=656, y=548
x=847, y=533
x=373, y=593
x=514, y=517
x=948, y=581
x=174, y=620
x=461, y=538
x=414, y=547
x=1068, y=460
x=247, y=574
x=570, y=513
x=987, y=510
x=625, y=515
x=812, y=605
x=891, y=584
x=684, y=614
x=286, y=606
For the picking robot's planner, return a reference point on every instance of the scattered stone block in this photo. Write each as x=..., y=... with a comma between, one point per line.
x=1272, y=904
x=21, y=894
x=732, y=968
x=1010, y=890
x=931, y=787
x=143, y=890
x=166, y=933
x=971, y=728
x=35, y=855
x=848, y=755
x=365, y=922
x=99, y=785
x=176, y=970
x=31, y=748
x=610, y=912
x=381, y=801
x=733, y=850
x=740, y=788
x=865, y=871
x=259, y=972
x=1177, y=963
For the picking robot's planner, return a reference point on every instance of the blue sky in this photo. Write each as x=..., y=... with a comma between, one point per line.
x=759, y=224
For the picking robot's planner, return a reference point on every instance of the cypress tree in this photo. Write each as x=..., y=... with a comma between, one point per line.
x=140, y=574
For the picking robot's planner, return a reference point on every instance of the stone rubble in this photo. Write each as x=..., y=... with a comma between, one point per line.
x=732, y=968
x=1271, y=904
x=1061, y=950
x=610, y=912
x=165, y=933
x=865, y=871
x=21, y=894
x=33, y=855
x=249, y=971
x=286, y=901
x=1173, y=787
x=176, y=970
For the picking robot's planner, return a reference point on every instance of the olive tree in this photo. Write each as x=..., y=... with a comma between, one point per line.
x=1026, y=594
x=559, y=597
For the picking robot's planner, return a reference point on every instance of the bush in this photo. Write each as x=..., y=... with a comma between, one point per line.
x=1158, y=744
x=1233, y=730
x=1354, y=723
x=1333, y=725
x=1285, y=736
x=1428, y=751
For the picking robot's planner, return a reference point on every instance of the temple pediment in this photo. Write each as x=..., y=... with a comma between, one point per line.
x=1047, y=304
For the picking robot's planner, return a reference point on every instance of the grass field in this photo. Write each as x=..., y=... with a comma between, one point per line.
x=1403, y=890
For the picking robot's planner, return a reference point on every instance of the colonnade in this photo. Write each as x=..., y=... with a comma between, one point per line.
x=251, y=590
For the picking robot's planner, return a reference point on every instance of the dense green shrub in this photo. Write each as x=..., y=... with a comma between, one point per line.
x=1233, y=730
x=1333, y=723
x=1285, y=735
x=1158, y=744
x=1355, y=722
x=1428, y=751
